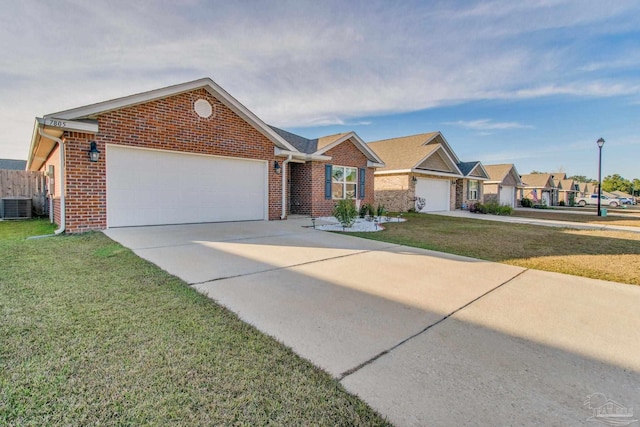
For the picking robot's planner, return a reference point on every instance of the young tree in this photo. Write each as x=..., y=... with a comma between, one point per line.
x=635, y=186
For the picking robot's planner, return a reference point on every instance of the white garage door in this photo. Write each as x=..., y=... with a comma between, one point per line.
x=508, y=196
x=436, y=193
x=153, y=187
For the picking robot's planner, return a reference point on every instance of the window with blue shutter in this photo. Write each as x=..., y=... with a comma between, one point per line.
x=327, y=181
x=361, y=176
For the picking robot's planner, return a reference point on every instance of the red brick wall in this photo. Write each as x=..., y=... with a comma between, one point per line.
x=301, y=188
x=169, y=124
x=345, y=154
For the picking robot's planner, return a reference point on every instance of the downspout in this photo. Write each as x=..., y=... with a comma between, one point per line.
x=63, y=210
x=284, y=187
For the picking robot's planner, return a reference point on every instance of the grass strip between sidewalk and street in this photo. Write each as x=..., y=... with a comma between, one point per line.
x=92, y=334
x=607, y=255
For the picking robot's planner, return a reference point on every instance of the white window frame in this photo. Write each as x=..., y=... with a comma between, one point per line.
x=470, y=191
x=344, y=182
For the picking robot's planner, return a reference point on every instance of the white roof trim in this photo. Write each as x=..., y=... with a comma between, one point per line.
x=371, y=164
x=70, y=125
x=436, y=173
x=419, y=172
x=368, y=152
x=205, y=83
x=299, y=155
x=446, y=143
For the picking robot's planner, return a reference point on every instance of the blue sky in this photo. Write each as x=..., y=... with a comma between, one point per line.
x=533, y=83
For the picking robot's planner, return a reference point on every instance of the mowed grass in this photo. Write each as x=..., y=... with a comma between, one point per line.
x=627, y=220
x=92, y=334
x=608, y=255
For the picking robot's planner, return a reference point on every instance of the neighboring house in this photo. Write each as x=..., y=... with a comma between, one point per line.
x=470, y=189
x=424, y=167
x=503, y=184
x=188, y=153
x=569, y=191
x=10, y=164
x=315, y=186
x=539, y=187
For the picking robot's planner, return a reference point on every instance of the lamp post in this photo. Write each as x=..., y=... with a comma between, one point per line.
x=600, y=143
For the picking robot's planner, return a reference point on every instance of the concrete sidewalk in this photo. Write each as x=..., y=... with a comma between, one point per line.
x=425, y=338
x=533, y=221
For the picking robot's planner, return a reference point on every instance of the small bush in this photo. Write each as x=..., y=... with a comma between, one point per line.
x=526, y=203
x=364, y=208
x=493, y=208
x=345, y=211
x=380, y=211
x=505, y=210
x=561, y=203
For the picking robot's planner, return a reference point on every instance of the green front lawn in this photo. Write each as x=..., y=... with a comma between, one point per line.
x=92, y=334
x=608, y=255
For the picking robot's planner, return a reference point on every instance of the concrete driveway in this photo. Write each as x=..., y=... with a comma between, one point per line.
x=423, y=337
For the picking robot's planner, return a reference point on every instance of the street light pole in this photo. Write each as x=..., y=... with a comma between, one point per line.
x=600, y=143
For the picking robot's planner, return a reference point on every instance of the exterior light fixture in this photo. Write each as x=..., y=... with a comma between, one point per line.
x=414, y=179
x=600, y=143
x=94, y=154
x=276, y=167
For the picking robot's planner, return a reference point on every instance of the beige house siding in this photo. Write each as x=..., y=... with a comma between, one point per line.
x=436, y=163
x=510, y=181
x=395, y=192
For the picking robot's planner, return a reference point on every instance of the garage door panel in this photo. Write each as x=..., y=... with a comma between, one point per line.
x=148, y=187
x=436, y=193
x=507, y=196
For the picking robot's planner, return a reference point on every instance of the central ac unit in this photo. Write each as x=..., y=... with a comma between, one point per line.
x=15, y=208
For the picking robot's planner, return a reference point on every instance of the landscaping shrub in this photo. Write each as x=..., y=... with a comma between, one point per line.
x=364, y=208
x=561, y=203
x=526, y=203
x=380, y=210
x=345, y=211
x=492, y=207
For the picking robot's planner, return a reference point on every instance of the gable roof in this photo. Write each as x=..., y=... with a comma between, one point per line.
x=473, y=169
x=537, y=180
x=567, y=184
x=408, y=153
x=13, y=164
x=498, y=173
x=320, y=146
x=87, y=114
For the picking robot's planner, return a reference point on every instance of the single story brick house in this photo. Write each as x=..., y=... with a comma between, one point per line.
x=540, y=188
x=188, y=153
x=425, y=167
x=503, y=184
x=568, y=189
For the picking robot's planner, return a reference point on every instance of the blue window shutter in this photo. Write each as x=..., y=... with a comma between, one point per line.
x=361, y=176
x=327, y=181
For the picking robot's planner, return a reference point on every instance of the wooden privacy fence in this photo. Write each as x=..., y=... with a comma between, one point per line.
x=17, y=183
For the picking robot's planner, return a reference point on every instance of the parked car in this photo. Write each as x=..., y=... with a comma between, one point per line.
x=627, y=200
x=593, y=200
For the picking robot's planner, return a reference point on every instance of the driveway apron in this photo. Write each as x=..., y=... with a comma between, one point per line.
x=425, y=338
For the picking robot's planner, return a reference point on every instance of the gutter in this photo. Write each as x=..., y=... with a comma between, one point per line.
x=284, y=186
x=63, y=206
x=302, y=156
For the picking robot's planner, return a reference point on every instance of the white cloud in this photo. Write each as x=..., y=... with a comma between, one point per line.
x=488, y=124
